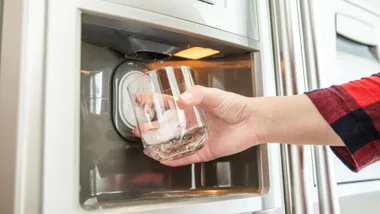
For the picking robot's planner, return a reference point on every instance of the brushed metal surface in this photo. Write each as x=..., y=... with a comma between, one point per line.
x=322, y=157
x=291, y=79
x=21, y=105
x=62, y=150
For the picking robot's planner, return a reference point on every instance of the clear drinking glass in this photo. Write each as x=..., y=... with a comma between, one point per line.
x=167, y=131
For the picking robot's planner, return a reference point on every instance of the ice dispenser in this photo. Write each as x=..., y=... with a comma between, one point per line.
x=67, y=119
x=113, y=167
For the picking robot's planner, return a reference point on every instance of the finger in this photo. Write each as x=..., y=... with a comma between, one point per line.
x=145, y=127
x=207, y=98
x=136, y=132
x=150, y=99
x=194, y=158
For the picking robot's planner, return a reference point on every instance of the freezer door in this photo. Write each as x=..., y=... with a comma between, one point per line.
x=370, y=5
x=342, y=44
x=354, y=61
x=357, y=48
x=62, y=110
x=368, y=203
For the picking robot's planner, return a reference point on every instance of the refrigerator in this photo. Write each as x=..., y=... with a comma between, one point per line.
x=68, y=147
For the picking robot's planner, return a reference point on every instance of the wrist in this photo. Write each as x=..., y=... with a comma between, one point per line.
x=280, y=119
x=291, y=120
x=261, y=118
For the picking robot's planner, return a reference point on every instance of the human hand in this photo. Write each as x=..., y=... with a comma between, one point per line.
x=231, y=124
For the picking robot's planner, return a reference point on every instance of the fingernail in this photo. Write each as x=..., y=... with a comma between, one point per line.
x=187, y=97
x=137, y=100
x=135, y=132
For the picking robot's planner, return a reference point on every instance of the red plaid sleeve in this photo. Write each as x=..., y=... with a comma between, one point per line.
x=353, y=112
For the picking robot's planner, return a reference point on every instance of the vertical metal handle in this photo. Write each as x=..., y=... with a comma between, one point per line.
x=326, y=183
x=291, y=79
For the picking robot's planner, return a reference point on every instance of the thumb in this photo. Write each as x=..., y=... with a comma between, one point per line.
x=206, y=98
x=226, y=105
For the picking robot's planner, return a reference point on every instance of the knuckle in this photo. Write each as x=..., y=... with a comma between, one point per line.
x=198, y=88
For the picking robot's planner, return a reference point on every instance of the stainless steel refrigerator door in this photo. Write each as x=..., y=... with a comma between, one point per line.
x=1, y=21
x=61, y=118
x=355, y=61
x=351, y=66
x=358, y=56
x=370, y=5
x=21, y=105
x=322, y=22
x=368, y=203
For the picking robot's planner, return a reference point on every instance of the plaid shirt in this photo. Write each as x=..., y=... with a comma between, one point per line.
x=353, y=112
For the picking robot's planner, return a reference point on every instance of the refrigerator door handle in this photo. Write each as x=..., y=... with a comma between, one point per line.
x=326, y=182
x=291, y=80
x=359, y=30
x=311, y=20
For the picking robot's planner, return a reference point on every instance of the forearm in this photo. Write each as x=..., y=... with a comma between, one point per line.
x=293, y=120
x=345, y=117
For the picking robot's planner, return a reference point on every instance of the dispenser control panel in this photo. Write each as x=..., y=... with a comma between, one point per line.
x=238, y=17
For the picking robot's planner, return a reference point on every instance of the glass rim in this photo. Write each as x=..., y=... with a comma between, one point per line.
x=147, y=73
x=164, y=67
